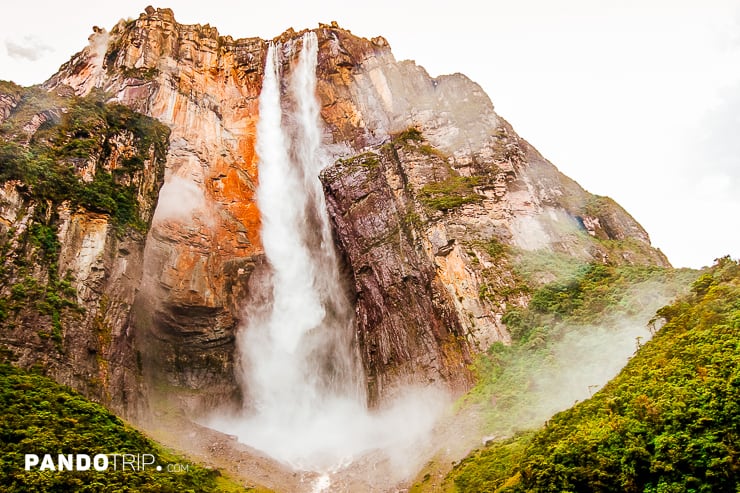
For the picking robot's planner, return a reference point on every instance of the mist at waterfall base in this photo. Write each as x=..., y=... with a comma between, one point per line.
x=300, y=365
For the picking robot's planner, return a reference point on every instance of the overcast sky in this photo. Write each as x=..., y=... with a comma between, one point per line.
x=638, y=100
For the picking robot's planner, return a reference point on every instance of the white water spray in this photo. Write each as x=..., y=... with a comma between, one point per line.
x=301, y=371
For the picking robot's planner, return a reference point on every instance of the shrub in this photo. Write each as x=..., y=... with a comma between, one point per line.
x=451, y=192
x=39, y=416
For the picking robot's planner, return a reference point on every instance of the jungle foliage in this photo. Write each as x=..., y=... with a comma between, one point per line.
x=38, y=416
x=667, y=423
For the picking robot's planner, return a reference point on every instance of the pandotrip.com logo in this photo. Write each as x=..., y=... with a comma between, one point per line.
x=99, y=462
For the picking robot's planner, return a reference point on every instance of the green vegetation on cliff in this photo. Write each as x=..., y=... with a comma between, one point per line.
x=592, y=293
x=555, y=355
x=667, y=423
x=38, y=416
x=79, y=151
x=75, y=133
x=450, y=193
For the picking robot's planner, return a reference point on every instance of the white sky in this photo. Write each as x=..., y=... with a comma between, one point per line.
x=638, y=100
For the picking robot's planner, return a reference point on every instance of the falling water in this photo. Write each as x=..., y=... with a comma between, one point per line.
x=301, y=371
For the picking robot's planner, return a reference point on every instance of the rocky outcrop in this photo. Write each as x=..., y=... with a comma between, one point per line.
x=9, y=99
x=408, y=329
x=471, y=187
x=405, y=207
x=73, y=242
x=428, y=186
x=204, y=240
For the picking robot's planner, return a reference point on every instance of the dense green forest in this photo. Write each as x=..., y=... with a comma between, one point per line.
x=667, y=423
x=38, y=416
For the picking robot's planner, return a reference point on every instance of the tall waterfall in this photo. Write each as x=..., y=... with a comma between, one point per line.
x=301, y=371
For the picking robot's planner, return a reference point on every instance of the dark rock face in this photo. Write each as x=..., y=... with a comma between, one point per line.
x=408, y=332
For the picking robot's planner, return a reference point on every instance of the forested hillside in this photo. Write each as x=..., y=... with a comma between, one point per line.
x=667, y=423
x=38, y=416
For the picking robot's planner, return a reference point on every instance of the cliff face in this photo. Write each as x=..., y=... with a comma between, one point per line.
x=428, y=182
x=204, y=241
x=80, y=183
x=409, y=330
x=441, y=182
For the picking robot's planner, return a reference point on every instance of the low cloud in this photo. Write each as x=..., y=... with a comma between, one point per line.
x=182, y=200
x=27, y=48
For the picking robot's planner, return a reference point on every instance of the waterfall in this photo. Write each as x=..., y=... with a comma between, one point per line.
x=310, y=312
x=301, y=371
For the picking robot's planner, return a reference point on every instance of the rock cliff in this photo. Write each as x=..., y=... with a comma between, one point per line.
x=204, y=241
x=80, y=181
x=428, y=186
x=438, y=190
